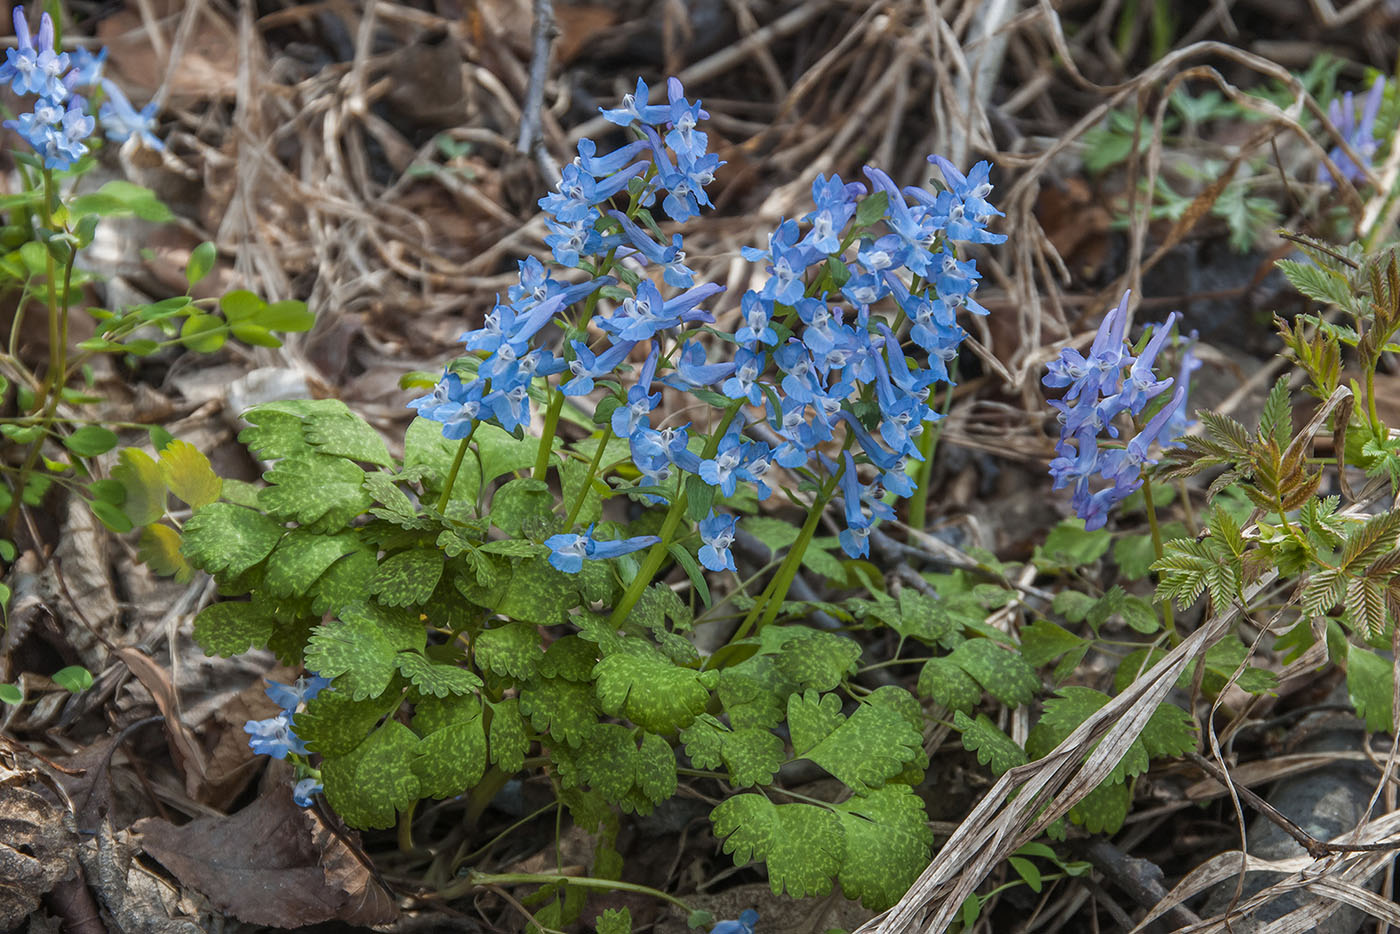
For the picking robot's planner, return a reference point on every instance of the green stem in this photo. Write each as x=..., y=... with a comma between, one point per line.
x=766, y=608
x=452, y=474
x=475, y=879
x=652, y=562
x=483, y=793
x=1165, y=606
x=405, y=833
x=551, y=424
x=588, y=478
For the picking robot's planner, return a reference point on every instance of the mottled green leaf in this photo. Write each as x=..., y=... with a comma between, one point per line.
x=566, y=710
x=819, y=661
x=345, y=434
x=301, y=557
x=993, y=747
x=888, y=841
x=803, y=845
x=509, y=740
x=864, y=751
x=649, y=691
x=367, y=786
x=537, y=593
x=752, y=756
x=512, y=649
x=943, y=680
x=408, y=578
x=228, y=539
x=434, y=678
x=333, y=724
x=452, y=758
x=315, y=490
x=1004, y=674
x=231, y=628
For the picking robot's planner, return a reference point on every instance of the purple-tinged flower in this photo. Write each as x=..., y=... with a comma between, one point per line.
x=33, y=67
x=291, y=696
x=1360, y=134
x=717, y=532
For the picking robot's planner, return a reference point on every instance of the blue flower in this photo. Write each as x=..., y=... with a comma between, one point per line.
x=693, y=372
x=303, y=791
x=758, y=315
x=291, y=696
x=34, y=67
x=1360, y=134
x=568, y=551
x=274, y=736
x=744, y=383
x=722, y=470
x=122, y=121
x=635, y=108
x=717, y=532
x=85, y=68
x=683, y=137
x=641, y=400
x=745, y=925
x=672, y=259
x=586, y=366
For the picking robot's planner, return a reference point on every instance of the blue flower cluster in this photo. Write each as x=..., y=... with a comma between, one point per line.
x=1360, y=133
x=818, y=382
x=1101, y=387
x=59, y=125
x=276, y=737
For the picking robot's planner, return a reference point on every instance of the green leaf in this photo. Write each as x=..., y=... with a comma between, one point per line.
x=91, y=440
x=425, y=447
x=345, y=583
x=752, y=755
x=232, y=628
x=649, y=691
x=566, y=710
x=613, y=921
x=803, y=845
x=1322, y=285
x=188, y=475
x=944, y=680
x=144, y=482
x=285, y=316
x=11, y=694
x=572, y=473
x=1069, y=547
x=333, y=724
x=993, y=747
x=360, y=651
x=887, y=845
x=1043, y=642
x=203, y=333
x=775, y=533
x=1169, y=732
x=509, y=741
x=159, y=549
x=512, y=649
x=201, y=261
x=1370, y=683
x=817, y=660
x=451, y=758
x=864, y=751
x=570, y=658
x=501, y=452
x=692, y=570
x=521, y=502
x=922, y=617
x=1104, y=809
x=368, y=785
x=700, y=497
x=345, y=434
x=301, y=557
x=408, y=578
x=433, y=678
x=1004, y=674
x=274, y=434
x=74, y=679
x=872, y=208
x=538, y=593
x=1063, y=713
x=223, y=538
x=120, y=198
x=315, y=490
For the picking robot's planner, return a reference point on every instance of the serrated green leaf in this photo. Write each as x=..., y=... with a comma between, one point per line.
x=345, y=583
x=519, y=503
x=993, y=747
x=566, y=710
x=887, y=845
x=803, y=845
x=922, y=617
x=344, y=434
x=512, y=649
x=188, y=475
x=944, y=680
x=820, y=660
x=1069, y=547
x=1063, y=713
x=509, y=740
x=752, y=755
x=864, y=751
x=1004, y=674
x=613, y=921
x=315, y=490
x=332, y=724
x=1043, y=642
x=1370, y=683
x=452, y=758
x=434, y=678
x=408, y=578
x=650, y=691
x=232, y=628
x=1322, y=285
x=1104, y=809
x=144, y=482
x=655, y=768
x=1169, y=732
x=367, y=786
x=538, y=593
x=570, y=658
x=359, y=652
x=301, y=557
x=775, y=533
x=225, y=539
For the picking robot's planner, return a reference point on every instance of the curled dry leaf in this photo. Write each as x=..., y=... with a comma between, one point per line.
x=272, y=863
x=38, y=848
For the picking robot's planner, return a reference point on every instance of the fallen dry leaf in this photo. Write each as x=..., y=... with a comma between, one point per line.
x=183, y=746
x=38, y=847
x=271, y=863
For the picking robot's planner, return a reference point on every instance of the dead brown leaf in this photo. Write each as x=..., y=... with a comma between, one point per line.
x=183, y=746
x=272, y=863
x=38, y=847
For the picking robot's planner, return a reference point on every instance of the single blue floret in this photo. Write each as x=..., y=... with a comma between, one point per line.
x=717, y=532
x=304, y=790
x=568, y=551
x=122, y=121
x=745, y=925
